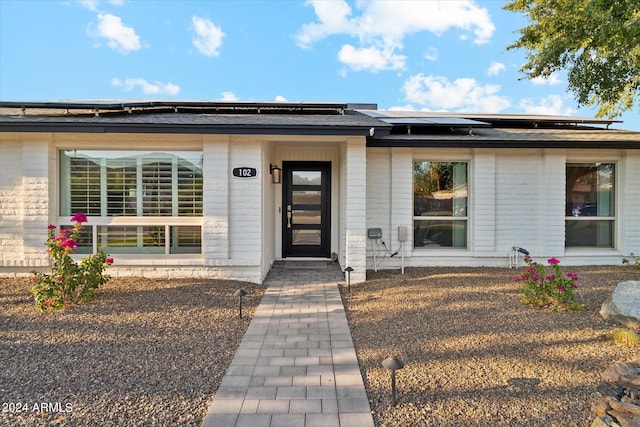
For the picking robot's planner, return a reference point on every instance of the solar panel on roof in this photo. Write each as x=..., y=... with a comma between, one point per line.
x=434, y=121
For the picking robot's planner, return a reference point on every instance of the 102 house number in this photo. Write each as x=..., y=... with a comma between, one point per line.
x=245, y=172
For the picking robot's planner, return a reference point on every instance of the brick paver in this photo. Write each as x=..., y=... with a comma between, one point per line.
x=296, y=365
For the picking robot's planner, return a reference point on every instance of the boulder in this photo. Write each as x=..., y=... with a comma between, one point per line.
x=623, y=306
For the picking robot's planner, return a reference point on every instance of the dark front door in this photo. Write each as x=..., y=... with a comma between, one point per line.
x=306, y=214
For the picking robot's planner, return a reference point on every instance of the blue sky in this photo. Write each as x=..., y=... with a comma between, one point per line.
x=416, y=55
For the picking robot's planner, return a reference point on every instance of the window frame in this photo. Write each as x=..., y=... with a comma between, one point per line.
x=466, y=220
x=614, y=219
x=168, y=222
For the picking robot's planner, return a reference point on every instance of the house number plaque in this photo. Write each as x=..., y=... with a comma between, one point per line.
x=244, y=172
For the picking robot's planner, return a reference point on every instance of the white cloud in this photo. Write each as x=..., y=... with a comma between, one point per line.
x=93, y=4
x=90, y=4
x=552, y=80
x=281, y=98
x=431, y=54
x=464, y=94
x=147, y=88
x=550, y=105
x=495, y=68
x=333, y=19
x=229, y=96
x=119, y=37
x=208, y=38
x=407, y=107
x=383, y=25
x=370, y=58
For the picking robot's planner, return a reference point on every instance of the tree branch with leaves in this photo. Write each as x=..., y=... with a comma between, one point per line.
x=596, y=41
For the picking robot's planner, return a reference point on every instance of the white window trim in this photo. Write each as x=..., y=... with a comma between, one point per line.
x=421, y=250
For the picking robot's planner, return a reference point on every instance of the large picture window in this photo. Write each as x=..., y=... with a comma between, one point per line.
x=153, y=197
x=440, y=204
x=590, y=206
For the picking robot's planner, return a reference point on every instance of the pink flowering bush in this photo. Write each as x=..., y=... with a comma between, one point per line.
x=548, y=289
x=69, y=282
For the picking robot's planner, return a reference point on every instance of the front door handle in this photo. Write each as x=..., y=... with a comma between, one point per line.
x=288, y=216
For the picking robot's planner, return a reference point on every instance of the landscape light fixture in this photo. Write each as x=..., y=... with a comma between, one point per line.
x=276, y=173
x=349, y=270
x=393, y=363
x=240, y=293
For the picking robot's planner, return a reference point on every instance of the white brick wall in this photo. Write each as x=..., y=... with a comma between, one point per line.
x=24, y=203
x=629, y=202
x=401, y=198
x=482, y=180
x=11, y=241
x=519, y=184
x=553, y=203
x=245, y=203
x=517, y=197
x=379, y=196
x=355, y=205
x=216, y=171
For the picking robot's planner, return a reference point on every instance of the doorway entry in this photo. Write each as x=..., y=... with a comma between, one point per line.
x=306, y=219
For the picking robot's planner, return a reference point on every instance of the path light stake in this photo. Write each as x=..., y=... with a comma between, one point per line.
x=349, y=270
x=393, y=363
x=240, y=293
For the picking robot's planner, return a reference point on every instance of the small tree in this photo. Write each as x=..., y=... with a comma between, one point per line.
x=69, y=282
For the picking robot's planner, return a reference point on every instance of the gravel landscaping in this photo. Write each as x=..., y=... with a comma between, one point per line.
x=145, y=352
x=475, y=356
x=153, y=352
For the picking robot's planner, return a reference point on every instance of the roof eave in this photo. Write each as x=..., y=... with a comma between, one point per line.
x=500, y=143
x=247, y=129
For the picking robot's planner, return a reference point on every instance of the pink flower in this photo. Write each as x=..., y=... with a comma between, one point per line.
x=79, y=217
x=551, y=277
x=108, y=260
x=47, y=302
x=553, y=261
x=574, y=286
x=65, y=232
x=572, y=276
x=561, y=288
x=51, y=227
x=69, y=243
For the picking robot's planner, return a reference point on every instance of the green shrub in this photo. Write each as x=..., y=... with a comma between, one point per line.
x=554, y=291
x=633, y=261
x=625, y=337
x=69, y=282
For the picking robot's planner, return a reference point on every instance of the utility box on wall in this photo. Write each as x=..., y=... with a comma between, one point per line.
x=402, y=233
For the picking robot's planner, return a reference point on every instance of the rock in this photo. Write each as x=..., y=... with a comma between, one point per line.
x=615, y=371
x=602, y=421
x=607, y=388
x=623, y=306
x=624, y=419
x=629, y=408
x=600, y=407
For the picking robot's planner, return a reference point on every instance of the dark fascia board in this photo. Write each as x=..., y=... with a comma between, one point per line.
x=183, y=129
x=122, y=105
x=499, y=143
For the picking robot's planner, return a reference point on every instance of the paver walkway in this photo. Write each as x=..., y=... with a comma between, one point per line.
x=296, y=365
